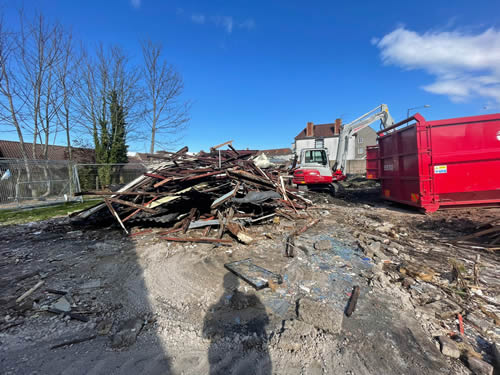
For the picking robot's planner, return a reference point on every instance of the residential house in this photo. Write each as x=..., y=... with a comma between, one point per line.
x=327, y=136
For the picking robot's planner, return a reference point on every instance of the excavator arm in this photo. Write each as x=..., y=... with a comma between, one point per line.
x=379, y=113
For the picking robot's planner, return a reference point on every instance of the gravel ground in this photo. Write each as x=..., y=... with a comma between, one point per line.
x=156, y=307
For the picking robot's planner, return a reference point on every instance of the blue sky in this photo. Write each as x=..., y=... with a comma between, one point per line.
x=257, y=71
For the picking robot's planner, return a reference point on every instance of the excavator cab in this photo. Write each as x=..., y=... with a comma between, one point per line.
x=315, y=156
x=314, y=169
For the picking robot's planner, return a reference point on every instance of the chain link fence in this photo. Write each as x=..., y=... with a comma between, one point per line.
x=31, y=183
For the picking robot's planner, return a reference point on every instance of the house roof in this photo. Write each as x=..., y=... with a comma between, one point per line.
x=276, y=151
x=320, y=131
x=12, y=150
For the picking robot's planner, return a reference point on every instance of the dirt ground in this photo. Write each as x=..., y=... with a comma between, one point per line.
x=155, y=307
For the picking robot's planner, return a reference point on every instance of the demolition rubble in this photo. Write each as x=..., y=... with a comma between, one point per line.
x=211, y=264
x=226, y=190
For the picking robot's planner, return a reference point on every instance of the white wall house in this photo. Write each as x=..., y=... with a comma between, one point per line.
x=327, y=136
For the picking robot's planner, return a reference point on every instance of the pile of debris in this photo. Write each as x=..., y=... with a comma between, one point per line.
x=221, y=189
x=488, y=234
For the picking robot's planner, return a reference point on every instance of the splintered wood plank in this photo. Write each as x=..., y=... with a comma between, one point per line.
x=130, y=204
x=115, y=214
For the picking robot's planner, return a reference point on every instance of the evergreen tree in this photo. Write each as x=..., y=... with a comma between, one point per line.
x=118, y=149
x=110, y=140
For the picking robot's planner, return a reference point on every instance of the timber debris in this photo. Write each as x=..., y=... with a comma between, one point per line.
x=223, y=189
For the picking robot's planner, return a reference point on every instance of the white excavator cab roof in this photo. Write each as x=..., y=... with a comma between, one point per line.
x=316, y=156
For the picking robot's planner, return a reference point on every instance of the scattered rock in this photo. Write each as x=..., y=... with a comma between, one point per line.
x=480, y=321
x=24, y=306
x=375, y=246
x=448, y=347
x=104, y=327
x=75, y=233
x=393, y=250
x=386, y=228
x=478, y=366
x=323, y=245
x=407, y=282
x=443, y=309
x=62, y=304
x=422, y=273
x=320, y=315
x=91, y=284
x=244, y=238
x=127, y=333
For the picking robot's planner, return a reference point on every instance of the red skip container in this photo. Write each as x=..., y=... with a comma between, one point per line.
x=432, y=164
x=372, y=162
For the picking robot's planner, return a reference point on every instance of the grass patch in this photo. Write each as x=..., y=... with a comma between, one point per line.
x=20, y=216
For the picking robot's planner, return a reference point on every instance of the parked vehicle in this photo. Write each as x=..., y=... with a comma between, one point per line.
x=314, y=170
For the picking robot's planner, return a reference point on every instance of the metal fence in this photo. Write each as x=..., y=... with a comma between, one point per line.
x=42, y=182
x=36, y=182
x=107, y=176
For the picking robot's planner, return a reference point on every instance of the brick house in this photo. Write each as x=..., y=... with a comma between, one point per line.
x=327, y=136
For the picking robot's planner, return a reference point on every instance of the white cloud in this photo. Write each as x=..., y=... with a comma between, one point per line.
x=198, y=18
x=136, y=3
x=463, y=64
x=224, y=21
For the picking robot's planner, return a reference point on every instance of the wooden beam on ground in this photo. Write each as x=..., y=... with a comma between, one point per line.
x=306, y=227
x=480, y=233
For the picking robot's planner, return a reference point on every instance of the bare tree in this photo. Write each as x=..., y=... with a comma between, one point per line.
x=165, y=113
x=10, y=105
x=40, y=52
x=10, y=101
x=110, y=70
x=67, y=78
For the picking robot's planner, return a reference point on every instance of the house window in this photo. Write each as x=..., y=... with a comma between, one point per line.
x=361, y=150
x=319, y=143
x=360, y=140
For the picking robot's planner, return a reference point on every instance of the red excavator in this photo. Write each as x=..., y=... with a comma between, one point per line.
x=314, y=170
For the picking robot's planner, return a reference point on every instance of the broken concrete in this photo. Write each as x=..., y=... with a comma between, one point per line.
x=478, y=366
x=444, y=309
x=323, y=245
x=127, y=333
x=320, y=315
x=62, y=304
x=448, y=347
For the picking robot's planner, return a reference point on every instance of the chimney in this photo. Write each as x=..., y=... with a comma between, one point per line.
x=338, y=125
x=310, y=129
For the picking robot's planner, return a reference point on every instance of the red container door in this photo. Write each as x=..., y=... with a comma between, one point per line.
x=372, y=163
x=466, y=160
x=403, y=177
x=441, y=163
